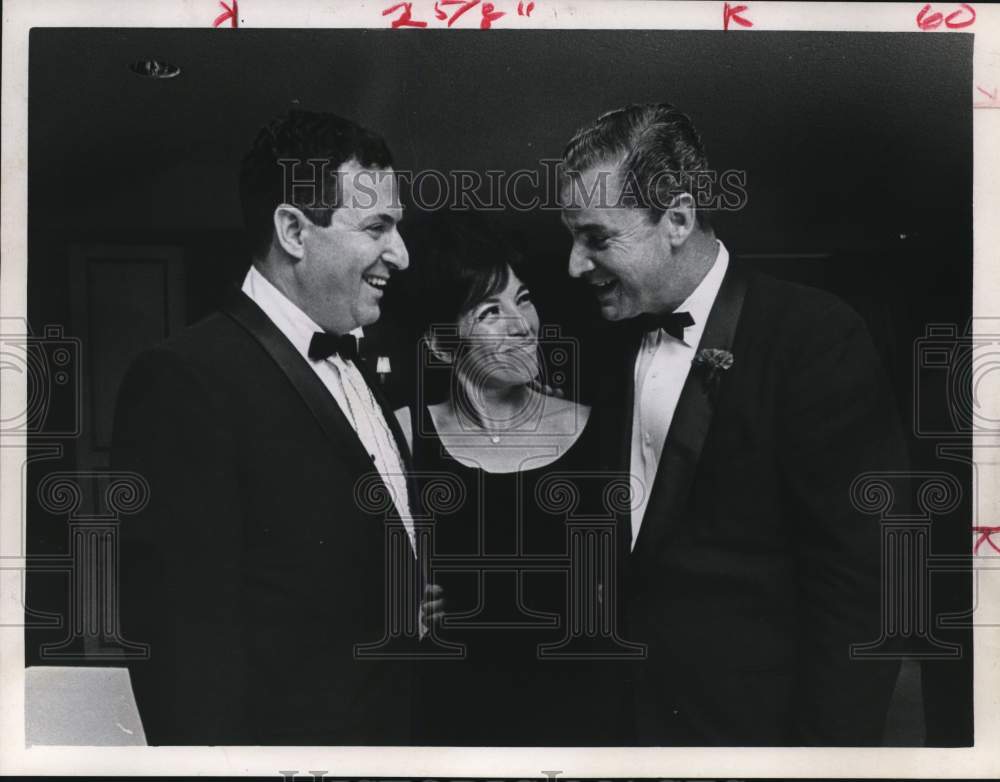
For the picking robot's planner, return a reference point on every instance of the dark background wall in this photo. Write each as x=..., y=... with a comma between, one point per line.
x=857, y=151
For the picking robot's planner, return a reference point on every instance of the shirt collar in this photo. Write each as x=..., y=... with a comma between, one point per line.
x=699, y=302
x=283, y=312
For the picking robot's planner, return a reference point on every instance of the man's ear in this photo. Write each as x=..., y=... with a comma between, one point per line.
x=288, y=225
x=440, y=352
x=680, y=219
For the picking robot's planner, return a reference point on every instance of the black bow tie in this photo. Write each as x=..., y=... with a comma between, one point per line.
x=323, y=345
x=673, y=323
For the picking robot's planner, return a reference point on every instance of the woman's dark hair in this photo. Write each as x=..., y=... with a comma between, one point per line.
x=458, y=259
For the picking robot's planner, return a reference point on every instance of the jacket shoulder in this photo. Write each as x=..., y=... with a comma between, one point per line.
x=796, y=304
x=216, y=344
x=793, y=316
x=204, y=360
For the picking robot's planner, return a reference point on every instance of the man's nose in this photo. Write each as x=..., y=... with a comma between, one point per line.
x=579, y=263
x=397, y=254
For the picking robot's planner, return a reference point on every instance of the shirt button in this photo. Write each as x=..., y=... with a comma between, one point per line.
x=647, y=438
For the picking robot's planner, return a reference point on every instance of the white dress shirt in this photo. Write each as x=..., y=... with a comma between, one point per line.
x=661, y=369
x=345, y=383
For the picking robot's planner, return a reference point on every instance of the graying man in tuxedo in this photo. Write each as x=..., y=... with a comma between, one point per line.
x=255, y=571
x=745, y=406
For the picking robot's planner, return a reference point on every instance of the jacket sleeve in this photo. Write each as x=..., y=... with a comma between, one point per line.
x=181, y=556
x=837, y=419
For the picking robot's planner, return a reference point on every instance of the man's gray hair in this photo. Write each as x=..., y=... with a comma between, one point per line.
x=656, y=146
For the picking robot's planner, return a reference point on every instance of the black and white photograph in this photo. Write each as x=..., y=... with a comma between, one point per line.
x=461, y=383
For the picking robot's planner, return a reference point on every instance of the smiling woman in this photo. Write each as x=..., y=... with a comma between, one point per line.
x=503, y=441
x=479, y=320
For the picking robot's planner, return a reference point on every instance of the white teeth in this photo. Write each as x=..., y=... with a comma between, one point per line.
x=604, y=285
x=376, y=282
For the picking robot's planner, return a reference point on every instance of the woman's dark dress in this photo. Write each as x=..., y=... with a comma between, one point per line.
x=504, y=693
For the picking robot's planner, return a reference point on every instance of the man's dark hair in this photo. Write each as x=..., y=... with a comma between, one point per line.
x=659, y=148
x=296, y=138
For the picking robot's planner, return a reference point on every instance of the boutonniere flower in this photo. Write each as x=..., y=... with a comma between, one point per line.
x=709, y=364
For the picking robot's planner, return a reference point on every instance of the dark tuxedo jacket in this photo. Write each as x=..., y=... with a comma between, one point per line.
x=255, y=570
x=752, y=573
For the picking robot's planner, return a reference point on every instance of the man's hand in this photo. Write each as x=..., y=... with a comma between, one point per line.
x=431, y=608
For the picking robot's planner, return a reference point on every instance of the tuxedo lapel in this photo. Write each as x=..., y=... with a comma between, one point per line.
x=618, y=395
x=690, y=424
x=315, y=395
x=615, y=394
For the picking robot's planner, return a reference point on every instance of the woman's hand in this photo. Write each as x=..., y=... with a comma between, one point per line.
x=431, y=608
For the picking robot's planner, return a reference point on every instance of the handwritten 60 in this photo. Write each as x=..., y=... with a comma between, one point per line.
x=964, y=16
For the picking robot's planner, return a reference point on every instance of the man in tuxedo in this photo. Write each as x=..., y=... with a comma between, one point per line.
x=744, y=408
x=260, y=563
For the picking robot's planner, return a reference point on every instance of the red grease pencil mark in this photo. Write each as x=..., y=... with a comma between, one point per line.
x=984, y=537
x=465, y=6
x=522, y=11
x=950, y=22
x=490, y=16
x=925, y=22
x=405, y=19
x=963, y=16
x=230, y=14
x=732, y=14
x=489, y=12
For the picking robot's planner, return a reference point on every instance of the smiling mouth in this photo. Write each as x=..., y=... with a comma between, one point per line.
x=604, y=287
x=524, y=347
x=378, y=283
